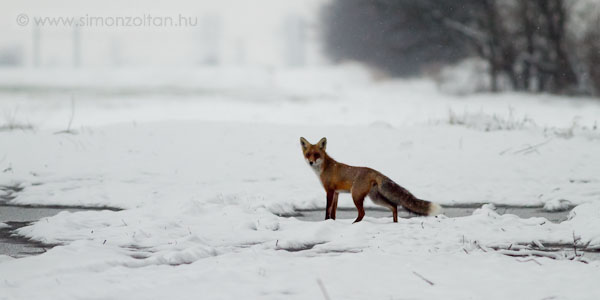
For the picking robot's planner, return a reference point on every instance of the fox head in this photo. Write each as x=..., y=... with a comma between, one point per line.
x=314, y=154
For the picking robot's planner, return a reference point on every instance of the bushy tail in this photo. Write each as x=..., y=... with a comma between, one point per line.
x=400, y=196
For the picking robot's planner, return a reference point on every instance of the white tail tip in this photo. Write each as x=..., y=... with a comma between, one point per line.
x=434, y=209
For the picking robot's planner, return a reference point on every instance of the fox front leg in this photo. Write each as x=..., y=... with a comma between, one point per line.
x=328, y=208
x=334, y=205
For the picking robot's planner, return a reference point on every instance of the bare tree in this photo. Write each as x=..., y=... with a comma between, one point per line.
x=525, y=43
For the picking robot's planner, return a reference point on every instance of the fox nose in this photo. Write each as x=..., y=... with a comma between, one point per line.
x=310, y=163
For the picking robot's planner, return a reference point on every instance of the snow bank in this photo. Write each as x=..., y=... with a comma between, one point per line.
x=191, y=247
x=557, y=205
x=201, y=201
x=131, y=165
x=202, y=179
x=4, y=258
x=584, y=221
x=346, y=95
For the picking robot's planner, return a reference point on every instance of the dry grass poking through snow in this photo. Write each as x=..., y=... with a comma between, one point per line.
x=12, y=123
x=489, y=122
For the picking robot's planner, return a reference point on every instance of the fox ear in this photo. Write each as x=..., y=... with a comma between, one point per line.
x=322, y=143
x=304, y=143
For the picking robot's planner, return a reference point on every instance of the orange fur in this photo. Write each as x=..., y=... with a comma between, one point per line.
x=360, y=182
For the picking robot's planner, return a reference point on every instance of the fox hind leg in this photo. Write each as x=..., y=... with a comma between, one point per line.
x=379, y=199
x=359, y=199
x=358, y=202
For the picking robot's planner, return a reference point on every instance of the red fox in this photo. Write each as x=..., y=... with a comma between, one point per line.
x=360, y=182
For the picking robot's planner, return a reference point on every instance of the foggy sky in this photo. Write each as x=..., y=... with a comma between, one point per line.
x=240, y=32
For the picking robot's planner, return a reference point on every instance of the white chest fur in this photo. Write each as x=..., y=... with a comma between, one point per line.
x=316, y=166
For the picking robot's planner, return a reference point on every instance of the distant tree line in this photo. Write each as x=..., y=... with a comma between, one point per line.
x=534, y=45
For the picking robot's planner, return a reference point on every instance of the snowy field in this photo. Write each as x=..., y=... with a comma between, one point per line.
x=205, y=163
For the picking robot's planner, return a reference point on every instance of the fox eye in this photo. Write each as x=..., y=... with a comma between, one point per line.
x=317, y=155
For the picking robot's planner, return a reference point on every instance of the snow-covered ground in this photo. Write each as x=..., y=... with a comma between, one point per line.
x=204, y=162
